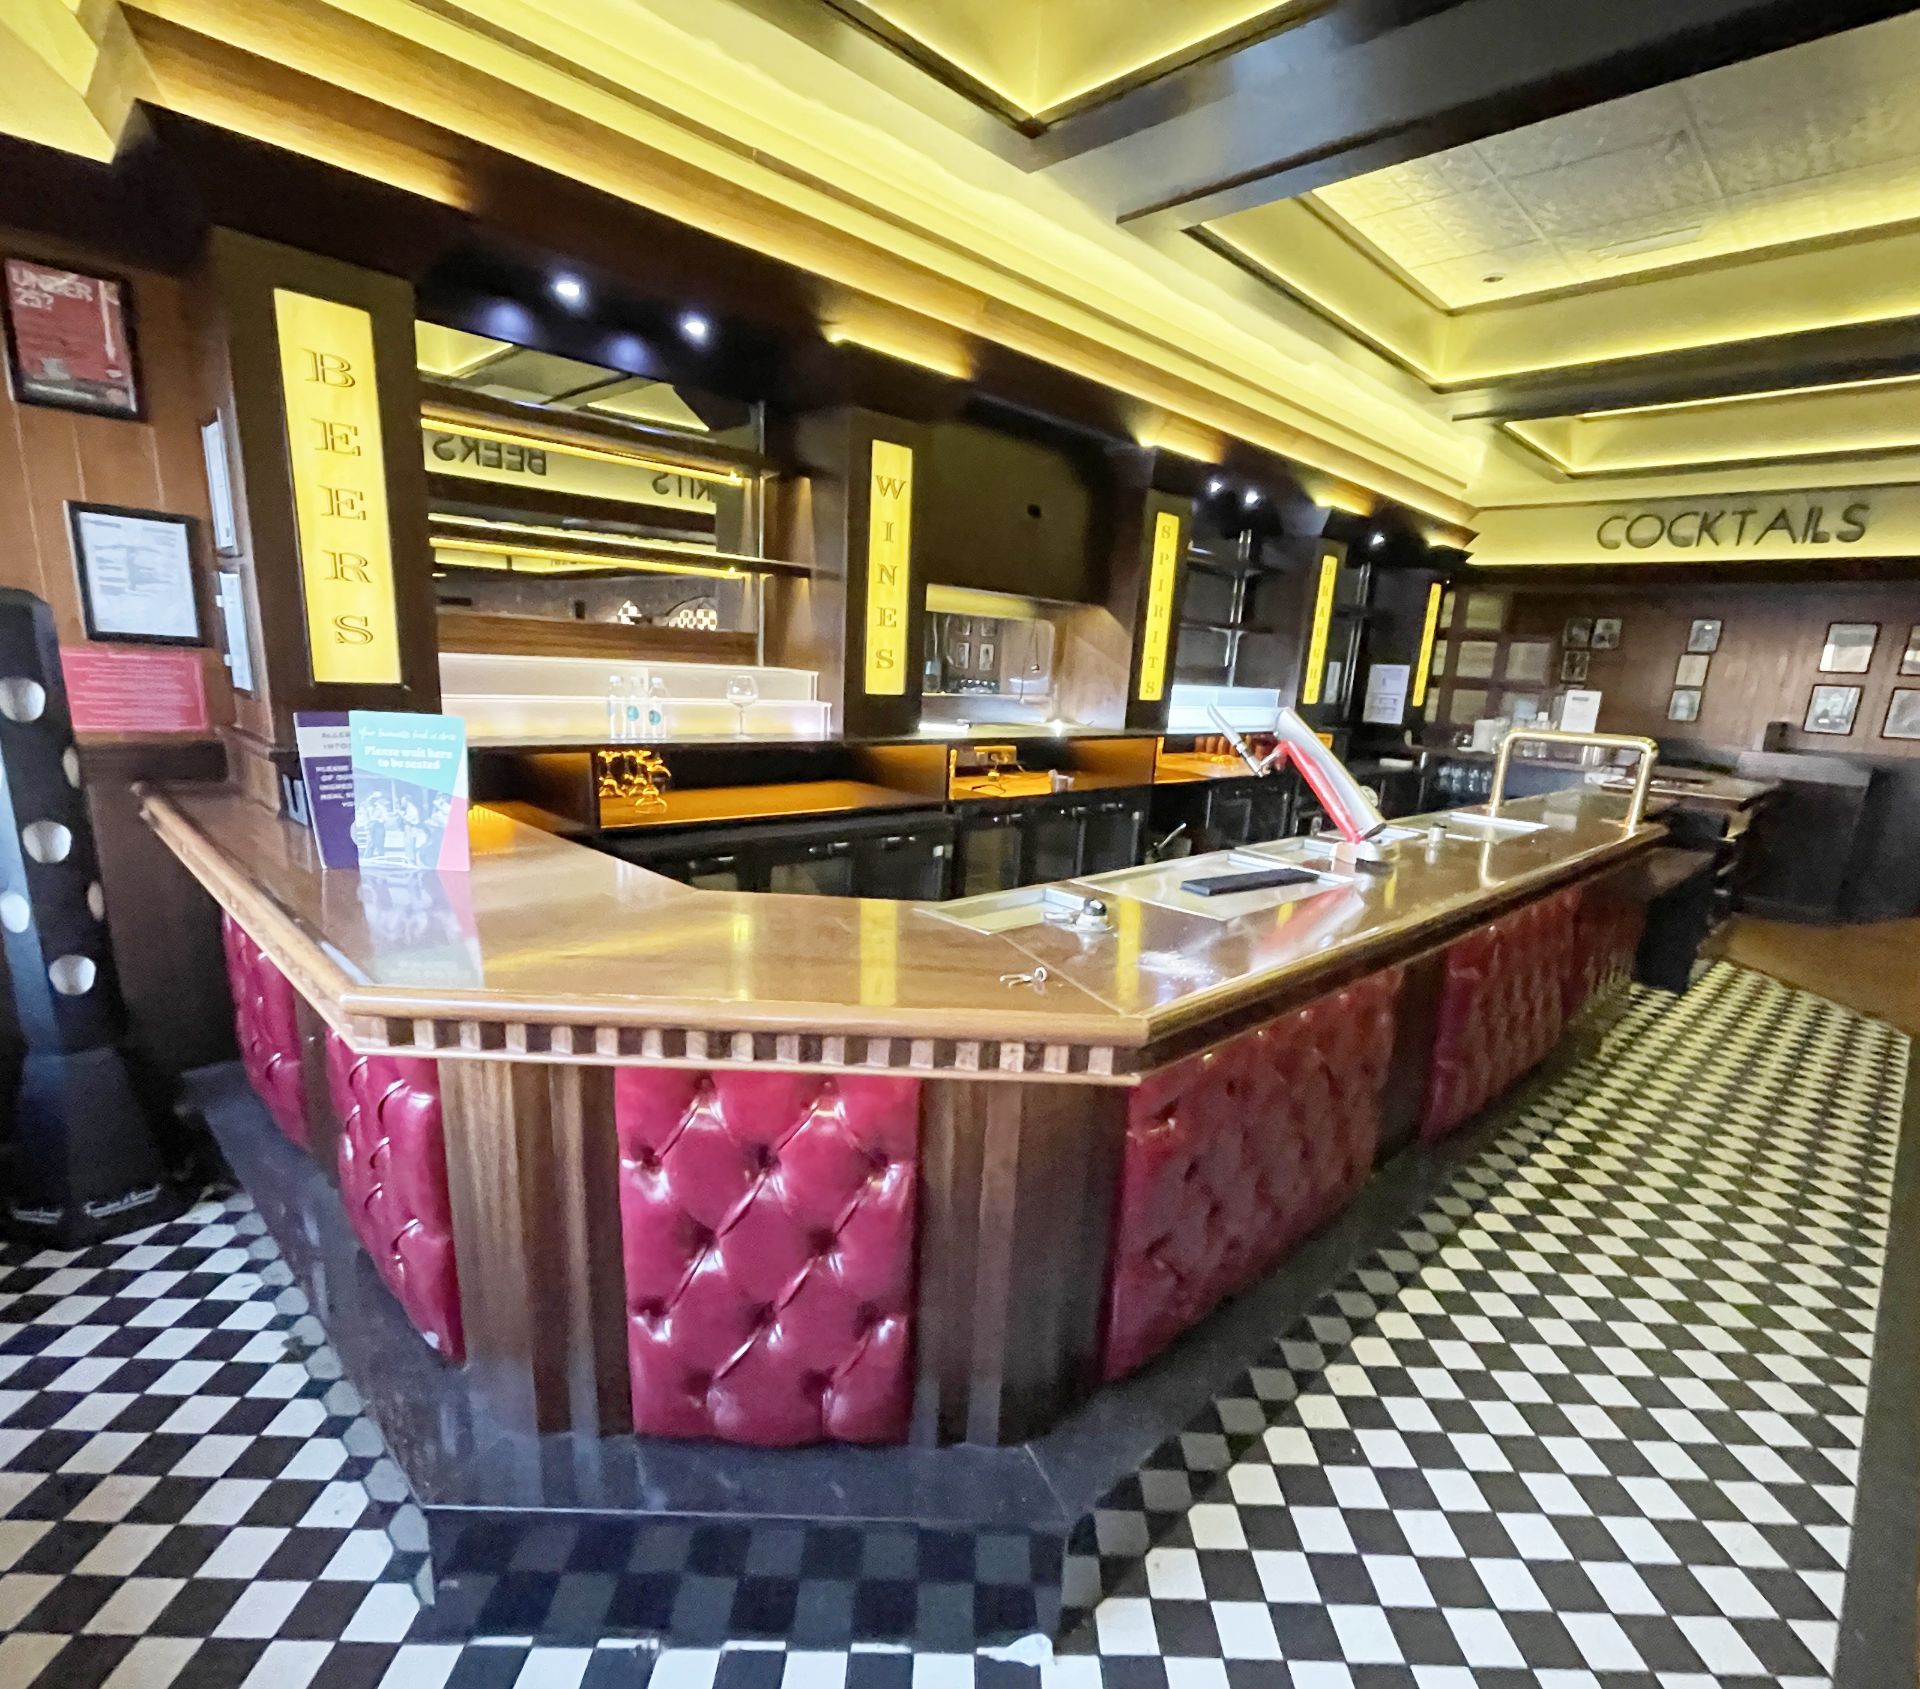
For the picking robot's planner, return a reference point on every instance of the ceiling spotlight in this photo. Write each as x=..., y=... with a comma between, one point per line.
x=1250, y=497
x=1377, y=538
x=571, y=291
x=695, y=328
x=1215, y=487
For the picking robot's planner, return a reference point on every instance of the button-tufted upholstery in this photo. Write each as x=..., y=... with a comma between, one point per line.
x=393, y=1181
x=1606, y=934
x=1235, y=1155
x=267, y=1030
x=768, y=1221
x=1502, y=1008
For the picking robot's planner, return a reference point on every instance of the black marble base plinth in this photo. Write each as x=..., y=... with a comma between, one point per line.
x=570, y=1539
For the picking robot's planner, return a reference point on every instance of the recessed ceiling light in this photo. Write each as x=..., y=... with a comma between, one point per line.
x=1250, y=497
x=1494, y=276
x=569, y=290
x=695, y=328
x=1216, y=486
x=1377, y=538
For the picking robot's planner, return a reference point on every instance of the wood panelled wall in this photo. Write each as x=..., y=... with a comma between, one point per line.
x=165, y=938
x=1764, y=671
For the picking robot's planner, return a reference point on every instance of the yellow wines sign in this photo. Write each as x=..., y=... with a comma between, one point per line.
x=1156, y=629
x=1310, y=682
x=332, y=402
x=889, y=559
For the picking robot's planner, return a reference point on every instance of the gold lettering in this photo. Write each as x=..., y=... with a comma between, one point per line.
x=348, y=503
x=330, y=369
x=348, y=566
x=342, y=439
x=352, y=630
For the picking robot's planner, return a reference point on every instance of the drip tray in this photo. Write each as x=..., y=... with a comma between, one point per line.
x=1159, y=883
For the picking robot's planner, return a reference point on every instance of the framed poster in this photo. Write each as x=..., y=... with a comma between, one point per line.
x=1579, y=633
x=1831, y=709
x=213, y=447
x=1691, y=670
x=1849, y=647
x=70, y=340
x=136, y=574
x=1684, y=704
x=1606, y=633
x=1910, y=658
x=1573, y=668
x=1704, y=634
x=1529, y=662
x=1903, y=714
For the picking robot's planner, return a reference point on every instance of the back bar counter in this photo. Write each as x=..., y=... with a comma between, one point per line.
x=748, y=1206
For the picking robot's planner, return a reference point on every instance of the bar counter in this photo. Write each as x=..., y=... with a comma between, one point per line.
x=716, y=1204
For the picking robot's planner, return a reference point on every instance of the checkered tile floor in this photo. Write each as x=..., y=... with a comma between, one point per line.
x=1593, y=1422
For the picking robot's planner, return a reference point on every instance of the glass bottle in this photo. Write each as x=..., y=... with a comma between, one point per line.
x=618, y=698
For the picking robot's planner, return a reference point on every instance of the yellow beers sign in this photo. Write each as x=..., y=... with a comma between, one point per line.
x=332, y=402
x=889, y=559
x=1424, y=666
x=1156, y=631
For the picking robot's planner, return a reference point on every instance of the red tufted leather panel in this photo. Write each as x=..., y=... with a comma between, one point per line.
x=268, y=1033
x=768, y=1221
x=393, y=1180
x=1606, y=935
x=1235, y=1155
x=1502, y=1008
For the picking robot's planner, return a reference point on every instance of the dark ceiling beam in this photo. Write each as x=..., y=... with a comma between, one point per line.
x=1358, y=87
x=1813, y=358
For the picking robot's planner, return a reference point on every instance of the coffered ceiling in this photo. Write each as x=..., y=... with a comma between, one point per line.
x=1810, y=144
x=1040, y=58
x=1259, y=223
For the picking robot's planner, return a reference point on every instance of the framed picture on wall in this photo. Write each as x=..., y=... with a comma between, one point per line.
x=1831, y=709
x=1849, y=647
x=1691, y=670
x=1606, y=633
x=1573, y=668
x=1704, y=635
x=1579, y=633
x=1683, y=704
x=69, y=339
x=136, y=574
x=1903, y=714
x=1910, y=658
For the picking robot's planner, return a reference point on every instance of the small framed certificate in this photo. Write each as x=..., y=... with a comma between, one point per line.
x=136, y=574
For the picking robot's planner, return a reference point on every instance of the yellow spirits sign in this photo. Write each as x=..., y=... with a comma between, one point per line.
x=1156, y=631
x=889, y=562
x=1311, y=681
x=1426, y=646
x=332, y=401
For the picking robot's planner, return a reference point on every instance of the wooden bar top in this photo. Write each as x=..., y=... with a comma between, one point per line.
x=551, y=950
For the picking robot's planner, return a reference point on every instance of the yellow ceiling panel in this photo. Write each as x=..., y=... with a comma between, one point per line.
x=1851, y=418
x=1816, y=142
x=1040, y=55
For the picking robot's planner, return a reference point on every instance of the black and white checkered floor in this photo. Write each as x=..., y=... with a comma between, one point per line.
x=1593, y=1423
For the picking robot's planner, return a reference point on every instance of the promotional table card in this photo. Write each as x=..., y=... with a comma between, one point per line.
x=409, y=790
x=326, y=765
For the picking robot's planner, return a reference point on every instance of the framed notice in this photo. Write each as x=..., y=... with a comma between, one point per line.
x=1831, y=709
x=69, y=339
x=136, y=574
x=1910, y=657
x=1903, y=714
x=1849, y=647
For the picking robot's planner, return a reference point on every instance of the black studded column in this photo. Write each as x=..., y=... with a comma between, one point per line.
x=86, y=1162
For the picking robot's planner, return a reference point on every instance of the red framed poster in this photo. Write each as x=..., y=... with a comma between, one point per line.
x=70, y=339
x=117, y=689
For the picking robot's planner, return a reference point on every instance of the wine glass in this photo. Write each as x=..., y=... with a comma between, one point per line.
x=743, y=691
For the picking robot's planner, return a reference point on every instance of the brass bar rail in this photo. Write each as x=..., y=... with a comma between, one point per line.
x=1643, y=779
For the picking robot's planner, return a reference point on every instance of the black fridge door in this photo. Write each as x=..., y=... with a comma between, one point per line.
x=989, y=853
x=1055, y=837
x=910, y=865
x=1113, y=835
x=823, y=868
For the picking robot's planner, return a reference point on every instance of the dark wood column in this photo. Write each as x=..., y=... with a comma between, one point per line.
x=243, y=357
x=1016, y=1220
x=533, y=1174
